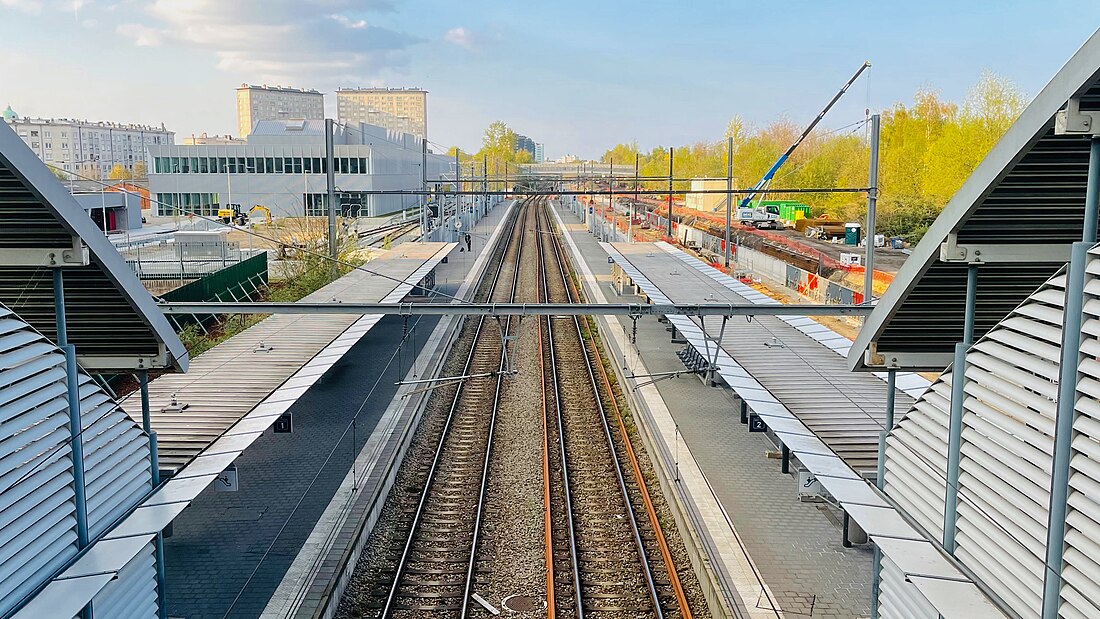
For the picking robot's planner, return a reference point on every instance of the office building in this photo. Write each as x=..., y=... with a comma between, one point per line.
x=282, y=167
x=525, y=143
x=256, y=103
x=396, y=109
x=540, y=153
x=87, y=148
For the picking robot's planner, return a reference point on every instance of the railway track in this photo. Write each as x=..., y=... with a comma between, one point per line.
x=612, y=544
x=602, y=552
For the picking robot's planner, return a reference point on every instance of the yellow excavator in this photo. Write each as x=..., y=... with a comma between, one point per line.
x=266, y=211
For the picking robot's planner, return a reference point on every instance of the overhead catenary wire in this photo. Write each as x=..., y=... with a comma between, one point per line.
x=255, y=234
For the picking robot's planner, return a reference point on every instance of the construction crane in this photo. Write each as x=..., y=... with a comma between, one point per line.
x=747, y=202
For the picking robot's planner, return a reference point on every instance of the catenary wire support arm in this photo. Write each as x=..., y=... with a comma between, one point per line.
x=633, y=310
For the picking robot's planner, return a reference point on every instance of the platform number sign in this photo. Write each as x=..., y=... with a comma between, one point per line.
x=756, y=423
x=284, y=424
x=227, y=481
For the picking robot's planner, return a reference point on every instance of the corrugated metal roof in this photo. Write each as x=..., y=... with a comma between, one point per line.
x=228, y=381
x=1030, y=189
x=845, y=410
x=112, y=319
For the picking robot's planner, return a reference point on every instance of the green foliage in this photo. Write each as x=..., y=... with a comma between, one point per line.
x=928, y=149
x=119, y=173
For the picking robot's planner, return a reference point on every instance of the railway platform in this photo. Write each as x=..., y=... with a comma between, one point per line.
x=768, y=553
x=265, y=544
x=316, y=569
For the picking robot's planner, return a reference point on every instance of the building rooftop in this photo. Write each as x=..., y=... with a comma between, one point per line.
x=278, y=89
x=382, y=89
x=86, y=123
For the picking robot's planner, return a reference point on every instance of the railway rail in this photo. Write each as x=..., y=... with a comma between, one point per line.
x=602, y=549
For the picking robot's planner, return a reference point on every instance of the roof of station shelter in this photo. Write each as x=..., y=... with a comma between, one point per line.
x=1015, y=216
x=788, y=362
x=259, y=373
x=111, y=318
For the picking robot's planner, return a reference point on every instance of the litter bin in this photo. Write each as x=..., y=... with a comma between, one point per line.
x=852, y=233
x=897, y=243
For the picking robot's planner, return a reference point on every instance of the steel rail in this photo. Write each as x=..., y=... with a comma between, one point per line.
x=437, y=457
x=489, y=444
x=523, y=309
x=647, y=569
x=541, y=293
x=567, y=492
x=651, y=512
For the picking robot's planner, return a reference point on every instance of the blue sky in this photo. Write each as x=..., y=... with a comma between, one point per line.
x=578, y=76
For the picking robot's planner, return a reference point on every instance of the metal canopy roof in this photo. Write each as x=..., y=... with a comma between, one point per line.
x=112, y=319
x=1025, y=199
x=803, y=377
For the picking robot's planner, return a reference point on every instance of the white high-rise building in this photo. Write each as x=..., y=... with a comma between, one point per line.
x=87, y=148
x=540, y=153
x=256, y=103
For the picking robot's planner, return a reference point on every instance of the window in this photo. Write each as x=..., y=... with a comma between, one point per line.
x=231, y=165
x=353, y=166
x=278, y=169
x=308, y=166
x=269, y=165
x=204, y=165
x=250, y=165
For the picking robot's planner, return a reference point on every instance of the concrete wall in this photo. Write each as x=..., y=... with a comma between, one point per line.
x=127, y=207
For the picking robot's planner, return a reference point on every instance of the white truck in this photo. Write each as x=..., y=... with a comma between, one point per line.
x=766, y=216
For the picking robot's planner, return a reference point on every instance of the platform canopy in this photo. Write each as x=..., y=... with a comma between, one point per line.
x=1016, y=217
x=111, y=318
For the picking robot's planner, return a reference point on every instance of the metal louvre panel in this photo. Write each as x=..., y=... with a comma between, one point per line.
x=1006, y=457
x=37, y=517
x=134, y=593
x=1080, y=593
x=899, y=599
x=1007, y=446
x=37, y=500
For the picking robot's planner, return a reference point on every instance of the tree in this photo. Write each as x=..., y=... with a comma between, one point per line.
x=929, y=148
x=139, y=170
x=119, y=173
x=61, y=175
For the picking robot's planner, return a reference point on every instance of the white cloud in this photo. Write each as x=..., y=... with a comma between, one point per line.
x=345, y=21
x=461, y=37
x=142, y=36
x=277, y=41
x=30, y=7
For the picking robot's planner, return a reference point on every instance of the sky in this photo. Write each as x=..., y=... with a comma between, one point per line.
x=577, y=76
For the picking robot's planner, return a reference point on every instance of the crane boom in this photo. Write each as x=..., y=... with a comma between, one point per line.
x=805, y=133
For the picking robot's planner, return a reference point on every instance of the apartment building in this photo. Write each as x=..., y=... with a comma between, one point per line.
x=87, y=148
x=396, y=109
x=256, y=103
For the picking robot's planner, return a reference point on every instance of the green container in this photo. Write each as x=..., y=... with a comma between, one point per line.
x=852, y=233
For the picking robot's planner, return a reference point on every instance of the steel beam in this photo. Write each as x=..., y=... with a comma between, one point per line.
x=520, y=309
x=1003, y=253
x=955, y=423
x=1072, y=318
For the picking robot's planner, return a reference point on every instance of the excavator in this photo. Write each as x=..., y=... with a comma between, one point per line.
x=233, y=214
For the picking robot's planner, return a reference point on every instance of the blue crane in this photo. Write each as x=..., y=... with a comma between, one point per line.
x=747, y=202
